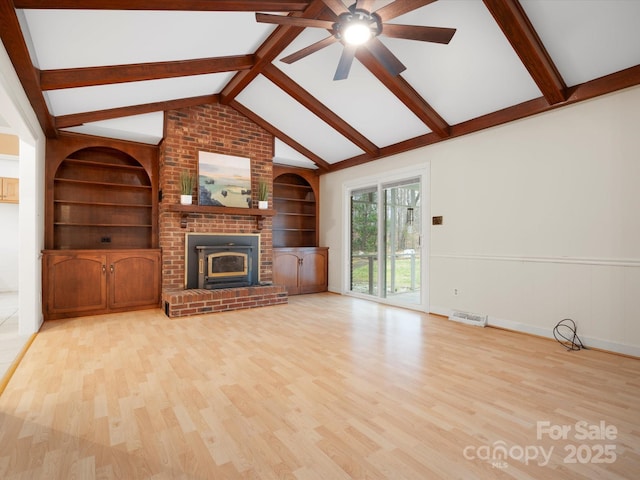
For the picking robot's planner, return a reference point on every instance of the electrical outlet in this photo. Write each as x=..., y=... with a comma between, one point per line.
x=455, y=292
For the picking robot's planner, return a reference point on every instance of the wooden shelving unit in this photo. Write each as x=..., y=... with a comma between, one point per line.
x=101, y=229
x=298, y=262
x=295, y=224
x=101, y=199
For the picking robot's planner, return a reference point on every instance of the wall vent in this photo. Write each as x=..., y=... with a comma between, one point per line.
x=469, y=318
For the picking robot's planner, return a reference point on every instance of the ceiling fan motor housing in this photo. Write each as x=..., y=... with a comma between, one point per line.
x=357, y=16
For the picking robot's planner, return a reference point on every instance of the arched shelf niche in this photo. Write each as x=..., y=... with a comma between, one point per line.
x=102, y=199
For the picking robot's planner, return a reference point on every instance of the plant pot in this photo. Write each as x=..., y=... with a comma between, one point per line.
x=186, y=199
x=263, y=204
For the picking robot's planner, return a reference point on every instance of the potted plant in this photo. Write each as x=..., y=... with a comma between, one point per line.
x=263, y=195
x=187, y=182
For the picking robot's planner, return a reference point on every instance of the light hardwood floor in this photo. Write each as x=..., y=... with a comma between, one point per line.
x=327, y=387
x=11, y=342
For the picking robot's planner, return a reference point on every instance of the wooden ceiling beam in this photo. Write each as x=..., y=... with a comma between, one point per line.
x=319, y=109
x=405, y=93
x=514, y=23
x=322, y=165
x=281, y=37
x=18, y=52
x=614, y=82
x=106, y=75
x=76, y=119
x=196, y=5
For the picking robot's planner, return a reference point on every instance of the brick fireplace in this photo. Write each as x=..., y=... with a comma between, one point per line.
x=219, y=129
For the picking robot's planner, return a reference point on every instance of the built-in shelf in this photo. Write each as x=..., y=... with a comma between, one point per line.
x=110, y=225
x=102, y=204
x=100, y=183
x=102, y=198
x=294, y=198
x=185, y=210
x=110, y=166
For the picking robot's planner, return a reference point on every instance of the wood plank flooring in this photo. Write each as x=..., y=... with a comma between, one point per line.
x=325, y=388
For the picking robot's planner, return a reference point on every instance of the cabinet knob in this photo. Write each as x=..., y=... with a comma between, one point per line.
x=111, y=268
x=104, y=269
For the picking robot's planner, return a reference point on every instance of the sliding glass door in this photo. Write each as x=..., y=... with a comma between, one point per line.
x=385, y=241
x=364, y=241
x=402, y=241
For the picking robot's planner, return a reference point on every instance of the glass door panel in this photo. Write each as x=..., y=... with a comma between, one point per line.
x=402, y=241
x=364, y=241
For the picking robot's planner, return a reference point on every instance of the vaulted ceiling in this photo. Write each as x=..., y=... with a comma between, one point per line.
x=111, y=67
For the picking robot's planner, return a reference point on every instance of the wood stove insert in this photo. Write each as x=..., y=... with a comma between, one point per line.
x=214, y=261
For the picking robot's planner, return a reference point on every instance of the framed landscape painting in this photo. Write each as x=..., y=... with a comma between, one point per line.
x=224, y=180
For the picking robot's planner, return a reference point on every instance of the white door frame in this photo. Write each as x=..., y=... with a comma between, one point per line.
x=379, y=180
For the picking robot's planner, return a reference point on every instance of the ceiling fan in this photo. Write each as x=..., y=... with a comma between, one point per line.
x=359, y=27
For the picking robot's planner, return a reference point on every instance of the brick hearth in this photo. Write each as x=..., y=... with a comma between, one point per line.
x=181, y=303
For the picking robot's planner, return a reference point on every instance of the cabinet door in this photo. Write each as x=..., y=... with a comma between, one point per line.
x=75, y=284
x=285, y=271
x=9, y=190
x=313, y=271
x=134, y=279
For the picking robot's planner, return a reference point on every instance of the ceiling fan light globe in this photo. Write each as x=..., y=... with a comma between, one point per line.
x=356, y=33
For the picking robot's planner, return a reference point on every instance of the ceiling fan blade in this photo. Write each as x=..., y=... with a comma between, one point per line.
x=365, y=5
x=346, y=59
x=400, y=7
x=417, y=32
x=336, y=6
x=384, y=56
x=314, y=47
x=294, y=21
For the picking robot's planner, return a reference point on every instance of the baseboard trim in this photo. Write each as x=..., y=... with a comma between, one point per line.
x=12, y=368
x=590, y=342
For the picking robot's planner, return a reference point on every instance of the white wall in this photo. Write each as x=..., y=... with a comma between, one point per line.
x=541, y=221
x=17, y=112
x=9, y=244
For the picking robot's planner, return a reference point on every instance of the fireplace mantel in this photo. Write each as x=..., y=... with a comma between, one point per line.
x=185, y=210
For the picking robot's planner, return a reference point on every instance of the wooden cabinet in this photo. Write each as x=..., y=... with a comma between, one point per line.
x=301, y=269
x=9, y=188
x=101, y=227
x=295, y=202
x=298, y=262
x=89, y=282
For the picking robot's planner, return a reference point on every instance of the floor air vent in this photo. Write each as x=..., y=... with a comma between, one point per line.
x=469, y=318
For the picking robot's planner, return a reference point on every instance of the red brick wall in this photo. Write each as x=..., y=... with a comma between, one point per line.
x=219, y=129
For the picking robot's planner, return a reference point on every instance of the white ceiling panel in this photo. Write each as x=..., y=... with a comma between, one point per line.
x=361, y=100
x=286, y=155
x=146, y=128
x=279, y=109
x=82, y=38
x=476, y=73
x=76, y=100
x=599, y=37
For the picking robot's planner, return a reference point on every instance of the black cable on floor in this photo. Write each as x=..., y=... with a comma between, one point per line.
x=565, y=332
